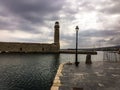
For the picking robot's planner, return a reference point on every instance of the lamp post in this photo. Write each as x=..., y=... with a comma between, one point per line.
x=76, y=54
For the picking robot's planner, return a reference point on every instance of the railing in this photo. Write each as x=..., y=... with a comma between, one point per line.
x=113, y=56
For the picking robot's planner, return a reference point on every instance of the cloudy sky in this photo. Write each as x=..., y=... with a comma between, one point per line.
x=33, y=21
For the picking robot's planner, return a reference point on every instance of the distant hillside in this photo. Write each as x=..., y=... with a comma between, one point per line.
x=110, y=48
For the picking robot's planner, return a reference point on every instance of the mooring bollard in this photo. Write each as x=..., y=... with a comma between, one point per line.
x=88, y=59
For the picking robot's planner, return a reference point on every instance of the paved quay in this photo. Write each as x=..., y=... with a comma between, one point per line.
x=99, y=75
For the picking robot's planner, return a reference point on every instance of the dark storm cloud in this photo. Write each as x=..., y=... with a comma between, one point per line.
x=29, y=13
x=5, y=25
x=23, y=6
x=32, y=10
x=17, y=25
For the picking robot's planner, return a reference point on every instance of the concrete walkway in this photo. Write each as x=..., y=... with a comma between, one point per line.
x=97, y=76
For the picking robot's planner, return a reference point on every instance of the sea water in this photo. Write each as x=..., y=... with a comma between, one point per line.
x=33, y=71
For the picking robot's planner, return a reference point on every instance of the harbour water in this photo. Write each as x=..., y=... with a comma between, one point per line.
x=33, y=71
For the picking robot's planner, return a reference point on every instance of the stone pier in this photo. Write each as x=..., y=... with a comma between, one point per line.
x=57, y=81
x=97, y=76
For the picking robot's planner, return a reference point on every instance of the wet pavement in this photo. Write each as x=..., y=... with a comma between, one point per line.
x=97, y=76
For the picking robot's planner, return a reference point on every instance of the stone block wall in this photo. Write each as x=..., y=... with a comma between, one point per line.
x=28, y=47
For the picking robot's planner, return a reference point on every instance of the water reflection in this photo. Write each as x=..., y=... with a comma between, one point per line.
x=27, y=71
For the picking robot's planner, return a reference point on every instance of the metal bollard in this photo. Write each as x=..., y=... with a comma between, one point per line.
x=88, y=59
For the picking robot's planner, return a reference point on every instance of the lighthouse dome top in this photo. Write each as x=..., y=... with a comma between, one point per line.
x=56, y=23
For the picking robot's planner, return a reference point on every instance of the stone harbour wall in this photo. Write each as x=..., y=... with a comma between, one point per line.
x=28, y=47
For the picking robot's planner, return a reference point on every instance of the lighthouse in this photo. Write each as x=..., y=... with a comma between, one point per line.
x=56, y=35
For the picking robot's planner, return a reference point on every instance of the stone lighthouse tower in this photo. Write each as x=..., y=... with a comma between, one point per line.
x=56, y=35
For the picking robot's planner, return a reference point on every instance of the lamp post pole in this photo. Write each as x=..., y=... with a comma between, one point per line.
x=76, y=54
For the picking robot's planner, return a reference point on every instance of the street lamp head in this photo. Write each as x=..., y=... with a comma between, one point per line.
x=77, y=28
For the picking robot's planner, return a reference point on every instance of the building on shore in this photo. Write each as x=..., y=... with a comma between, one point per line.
x=33, y=47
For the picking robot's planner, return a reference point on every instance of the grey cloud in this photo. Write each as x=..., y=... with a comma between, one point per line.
x=98, y=33
x=112, y=8
x=87, y=6
x=6, y=25
x=108, y=6
x=115, y=40
x=33, y=40
x=86, y=41
x=111, y=35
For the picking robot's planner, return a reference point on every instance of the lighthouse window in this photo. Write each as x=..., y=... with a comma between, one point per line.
x=43, y=49
x=20, y=49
